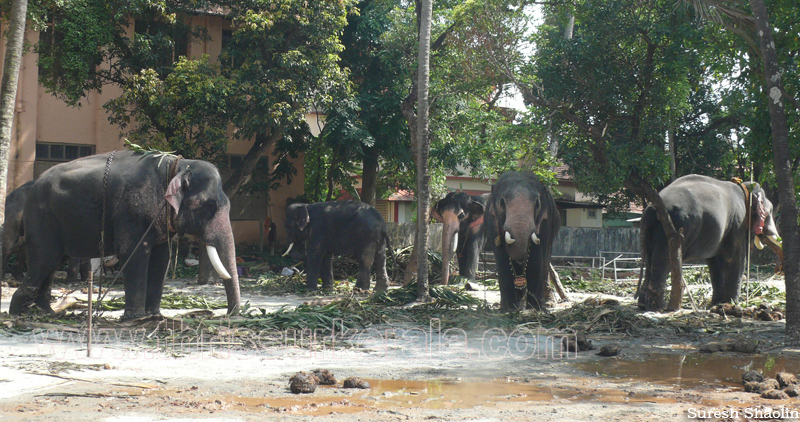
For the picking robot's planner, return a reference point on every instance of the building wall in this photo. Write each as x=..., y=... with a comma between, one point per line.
x=41, y=117
x=580, y=217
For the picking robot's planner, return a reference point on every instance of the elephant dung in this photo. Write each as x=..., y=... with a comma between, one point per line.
x=751, y=376
x=767, y=385
x=786, y=379
x=577, y=343
x=355, y=382
x=792, y=390
x=325, y=377
x=303, y=382
x=774, y=395
x=751, y=386
x=610, y=350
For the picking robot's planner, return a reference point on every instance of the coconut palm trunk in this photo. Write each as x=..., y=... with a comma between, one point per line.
x=8, y=93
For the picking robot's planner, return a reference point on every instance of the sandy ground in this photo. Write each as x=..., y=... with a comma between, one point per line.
x=415, y=373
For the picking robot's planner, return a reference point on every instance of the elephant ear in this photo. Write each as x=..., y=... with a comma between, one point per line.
x=476, y=209
x=759, y=212
x=435, y=214
x=302, y=218
x=177, y=186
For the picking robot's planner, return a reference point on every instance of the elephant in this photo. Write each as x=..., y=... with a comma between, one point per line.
x=522, y=221
x=142, y=199
x=713, y=216
x=13, y=232
x=316, y=232
x=462, y=231
x=14, y=240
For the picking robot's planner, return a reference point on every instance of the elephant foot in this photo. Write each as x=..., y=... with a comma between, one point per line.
x=381, y=286
x=651, y=301
x=133, y=314
x=22, y=299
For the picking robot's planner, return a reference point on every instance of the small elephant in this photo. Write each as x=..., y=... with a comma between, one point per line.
x=14, y=238
x=462, y=231
x=142, y=198
x=714, y=217
x=522, y=222
x=316, y=232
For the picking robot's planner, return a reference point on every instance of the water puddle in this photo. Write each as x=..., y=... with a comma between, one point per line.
x=691, y=370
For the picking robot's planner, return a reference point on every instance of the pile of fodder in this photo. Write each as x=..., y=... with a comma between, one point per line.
x=443, y=296
x=168, y=301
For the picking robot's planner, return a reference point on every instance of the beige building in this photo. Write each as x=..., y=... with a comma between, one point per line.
x=46, y=132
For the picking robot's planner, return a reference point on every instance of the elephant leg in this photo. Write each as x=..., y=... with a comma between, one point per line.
x=326, y=271
x=36, y=284
x=18, y=269
x=511, y=298
x=469, y=257
x=365, y=260
x=716, y=273
x=135, y=277
x=536, y=275
x=73, y=270
x=731, y=278
x=156, y=273
x=651, y=295
x=382, y=277
x=85, y=268
x=313, y=267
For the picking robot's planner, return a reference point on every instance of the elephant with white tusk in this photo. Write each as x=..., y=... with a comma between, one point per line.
x=317, y=232
x=522, y=218
x=463, y=231
x=141, y=197
x=716, y=217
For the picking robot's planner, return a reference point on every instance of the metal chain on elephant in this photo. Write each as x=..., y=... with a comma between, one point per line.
x=102, y=244
x=170, y=174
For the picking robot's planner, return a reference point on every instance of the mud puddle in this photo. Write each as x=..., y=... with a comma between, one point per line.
x=383, y=395
x=691, y=370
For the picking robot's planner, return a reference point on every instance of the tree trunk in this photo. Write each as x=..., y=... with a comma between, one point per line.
x=781, y=158
x=8, y=94
x=369, y=176
x=261, y=146
x=424, y=146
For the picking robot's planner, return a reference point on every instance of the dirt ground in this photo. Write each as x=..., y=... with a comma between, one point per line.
x=415, y=372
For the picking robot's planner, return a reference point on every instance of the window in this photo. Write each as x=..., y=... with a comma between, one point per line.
x=62, y=152
x=167, y=43
x=592, y=214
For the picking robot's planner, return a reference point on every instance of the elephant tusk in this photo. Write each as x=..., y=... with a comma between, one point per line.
x=509, y=239
x=287, y=250
x=455, y=241
x=535, y=239
x=758, y=243
x=774, y=239
x=217, y=263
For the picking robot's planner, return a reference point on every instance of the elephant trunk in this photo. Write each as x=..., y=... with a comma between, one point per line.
x=222, y=253
x=449, y=231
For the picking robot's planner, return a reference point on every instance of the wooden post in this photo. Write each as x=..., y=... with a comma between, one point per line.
x=89, y=312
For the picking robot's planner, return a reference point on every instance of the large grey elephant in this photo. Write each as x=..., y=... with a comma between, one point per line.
x=462, y=231
x=144, y=197
x=714, y=217
x=316, y=232
x=522, y=221
x=14, y=238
